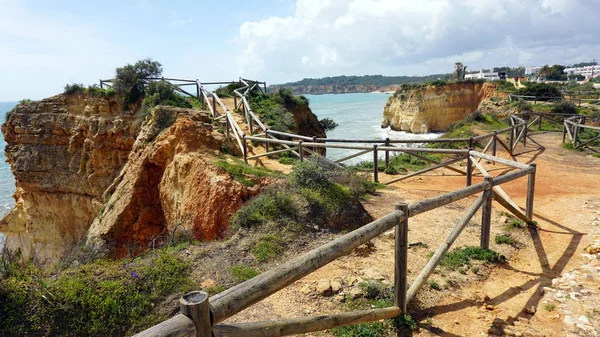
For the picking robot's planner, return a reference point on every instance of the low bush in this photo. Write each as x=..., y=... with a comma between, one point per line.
x=102, y=298
x=243, y=173
x=73, y=88
x=543, y=91
x=328, y=124
x=504, y=239
x=130, y=80
x=243, y=273
x=460, y=257
x=227, y=91
x=314, y=194
x=267, y=247
x=564, y=107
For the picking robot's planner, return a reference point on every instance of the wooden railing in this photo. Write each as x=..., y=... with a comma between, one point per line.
x=573, y=127
x=203, y=315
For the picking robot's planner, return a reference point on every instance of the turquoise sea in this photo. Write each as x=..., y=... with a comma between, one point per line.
x=359, y=117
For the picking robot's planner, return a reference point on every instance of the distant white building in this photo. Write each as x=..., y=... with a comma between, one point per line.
x=587, y=72
x=481, y=75
x=532, y=70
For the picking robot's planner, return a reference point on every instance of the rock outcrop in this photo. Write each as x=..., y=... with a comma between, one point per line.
x=423, y=109
x=168, y=186
x=64, y=152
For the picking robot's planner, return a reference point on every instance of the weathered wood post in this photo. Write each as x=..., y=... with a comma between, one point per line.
x=235, y=100
x=265, y=86
x=214, y=104
x=267, y=137
x=469, y=164
x=387, y=153
x=494, y=146
x=245, y=146
x=486, y=214
x=375, y=165
x=250, y=124
x=300, y=152
x=314, y=141
x=575, y=134
x=227, y=126
x=195, y=306
x=530, y=192
x=101, y=85
x=400, y=257
x=512, y=139
x=540, y=122
x=526, y=129
x=564, y=132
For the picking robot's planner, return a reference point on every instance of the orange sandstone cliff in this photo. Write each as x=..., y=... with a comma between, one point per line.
x=423, y=109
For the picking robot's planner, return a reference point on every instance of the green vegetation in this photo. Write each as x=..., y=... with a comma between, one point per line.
x=564, y=107
x=553, y=73
x=543, y=91
x=433, y=284
x=267, y=247
x=399, y=163
x=515, y=223
x=550, y=307
x=275, y=109
x=505, y=86
x=227, y=91
x=101, y=298
x=406, y=321
x=314, y=194
x=243, y=273
x=377, y=80
x=244, y=173
x=504, y=239
x=461, y=257
x=130, y=80
x=328, y=124
x=375, y=329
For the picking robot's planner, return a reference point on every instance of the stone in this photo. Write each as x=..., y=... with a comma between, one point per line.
x=372, y=274
x=324, y=287
x=354, y=293
x=489, y=307
x=593, y=249
x=306, y=290
x=336, y=286
x=583, y=320
x=531, y=310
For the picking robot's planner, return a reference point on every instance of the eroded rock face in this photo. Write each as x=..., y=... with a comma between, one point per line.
x=64, y=151
x=435, y=108
x=168, y=185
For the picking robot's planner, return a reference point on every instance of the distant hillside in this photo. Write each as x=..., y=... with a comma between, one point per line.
x=348, y=84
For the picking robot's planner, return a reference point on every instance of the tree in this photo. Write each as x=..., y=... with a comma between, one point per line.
x=459, y=69
x=554, y=73
x=131, y=79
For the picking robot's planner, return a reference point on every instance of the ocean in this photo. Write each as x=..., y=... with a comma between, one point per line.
x=359, y=117
x=7, y=181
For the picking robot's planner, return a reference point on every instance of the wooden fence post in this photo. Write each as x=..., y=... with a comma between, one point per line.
x=375, y=164
x=494, y=146
x=564, y=132
x=575, y=134
x=266, y=137
x=530, y=192
x=101, y=85
x=314, y=141
x=540, y=122
x=526, y=129
x=214, y=104
x=387, y=153
x=300, y=152
x=400, y=257
x=235, y=100
x=245, y=145
x=512, y=139
x=195, y=306
x=486, y=214
x=469, y=167
x=227, y=126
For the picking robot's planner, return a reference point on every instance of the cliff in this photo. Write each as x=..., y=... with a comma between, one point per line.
x=64, y=151
x=169, y=186
x=335, y=88
x=423, y=109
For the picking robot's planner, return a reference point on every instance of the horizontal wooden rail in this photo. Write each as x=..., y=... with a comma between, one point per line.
x=302, y=325
x=499, y=160
x=431, y=168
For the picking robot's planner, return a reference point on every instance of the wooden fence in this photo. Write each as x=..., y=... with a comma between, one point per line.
x=202, y=315
x=574, y=127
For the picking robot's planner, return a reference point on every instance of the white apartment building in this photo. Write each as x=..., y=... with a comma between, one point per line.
x=481, y=75
x=532, y=70
x=586, y=72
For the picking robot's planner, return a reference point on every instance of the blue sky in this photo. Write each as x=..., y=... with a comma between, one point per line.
x=46, y=44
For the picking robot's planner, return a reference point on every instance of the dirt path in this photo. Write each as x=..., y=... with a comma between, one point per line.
x=511, y=296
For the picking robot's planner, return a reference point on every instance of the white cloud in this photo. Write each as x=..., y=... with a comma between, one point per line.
x=332, y=37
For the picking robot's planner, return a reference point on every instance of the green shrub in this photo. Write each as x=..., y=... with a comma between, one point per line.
x=267, y=247
x=564, y=107
x=543, y=91
x=227, y=91
x=103, y=298
x=243, y=273
x=131, y=79
x=243, y=172
x=287, y=160
x=504, y=239
x=407, y=322
x=73, y=88
x=328, y=124
x=375, y=290
x=433, y=284
x=460, y=257
x=515, y=223
x=376, y=329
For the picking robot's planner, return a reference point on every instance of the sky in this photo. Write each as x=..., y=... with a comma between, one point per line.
x=47, y=44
